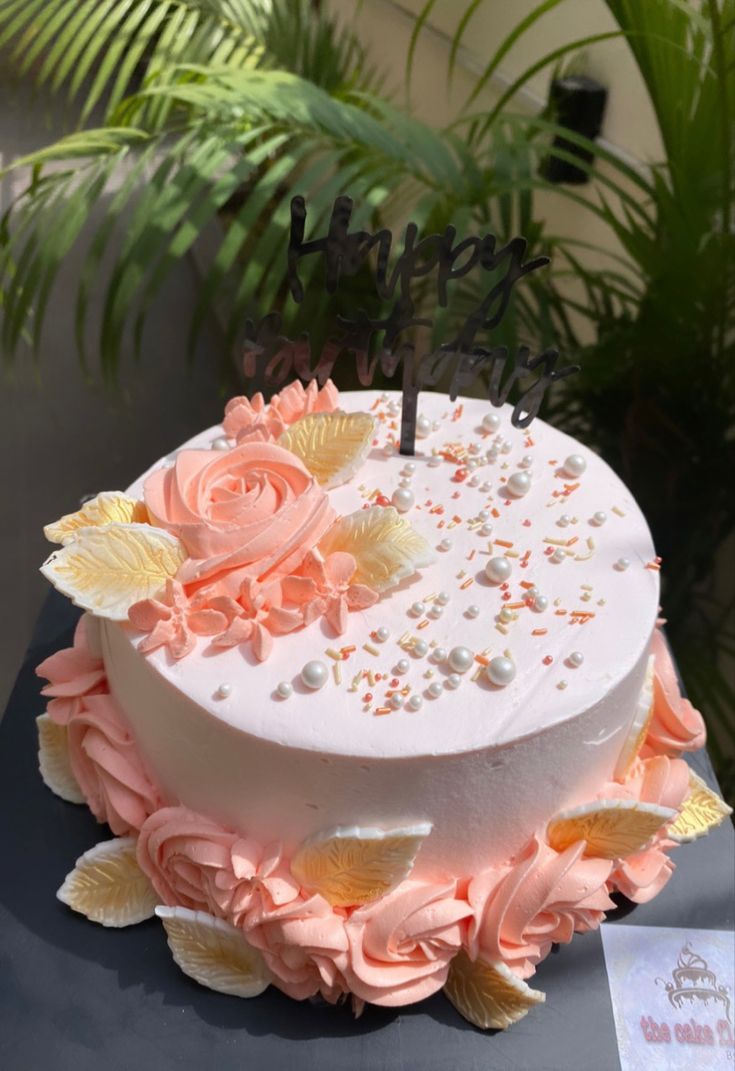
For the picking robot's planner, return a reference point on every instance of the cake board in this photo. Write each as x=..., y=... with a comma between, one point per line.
x=78, y=996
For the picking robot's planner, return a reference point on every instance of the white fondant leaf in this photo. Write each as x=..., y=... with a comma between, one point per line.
x=349, y=865
x=213, y=952
x=639, y=726
x=612, y=829
x=488, y=994
x=384, y=545
x=53, y=760
x=331, y=445
x=701, y=811
x=106, y=570
x=108, y=507
x=108, y=886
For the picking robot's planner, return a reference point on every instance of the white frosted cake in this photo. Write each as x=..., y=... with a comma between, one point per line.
x=364, y=724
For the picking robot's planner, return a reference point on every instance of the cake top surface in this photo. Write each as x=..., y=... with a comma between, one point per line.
x=579, y=542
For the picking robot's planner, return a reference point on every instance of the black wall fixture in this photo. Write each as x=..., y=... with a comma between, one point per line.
x=578, y=103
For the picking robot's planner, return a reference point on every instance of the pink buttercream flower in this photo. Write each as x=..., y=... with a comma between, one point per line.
x=675, y=726
x=255, y=617
x=72, y=673
x=544, y=897
x=665, y=782
x=194, y=862
x=174, y=621
x=303, y=943
x=248, y=420
x=323, y=588
x=254, y=509
x=400, y=946
x=106, y=763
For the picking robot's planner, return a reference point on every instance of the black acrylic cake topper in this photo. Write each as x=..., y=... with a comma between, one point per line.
x=273, y=357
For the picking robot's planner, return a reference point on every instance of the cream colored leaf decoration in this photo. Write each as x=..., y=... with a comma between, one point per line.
x=488, y=994
x=639, y=726
x=213, y=952
x=53, y=760
x=349, y=865
x=331, y=445
x=108, y=507
x=106, y=570
x=108, y=886
x=701, y=811
x=612, y=829
x=384, y=545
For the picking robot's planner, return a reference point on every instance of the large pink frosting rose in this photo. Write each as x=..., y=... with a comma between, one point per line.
x=543, y=898
x=194, y=862
x=400, y=946
x=665, y=782
x=675, y=726
x=72, y=673
x=255, y=509
x=107, y=766
x=303, y=943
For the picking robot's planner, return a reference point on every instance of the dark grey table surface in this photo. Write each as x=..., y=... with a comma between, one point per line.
x=77, y=996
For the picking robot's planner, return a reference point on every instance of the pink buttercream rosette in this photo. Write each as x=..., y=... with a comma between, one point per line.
x=103, y=755
x=252, y=420
x=675, y=726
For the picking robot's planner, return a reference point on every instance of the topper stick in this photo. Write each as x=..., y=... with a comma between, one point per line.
x=409, y=403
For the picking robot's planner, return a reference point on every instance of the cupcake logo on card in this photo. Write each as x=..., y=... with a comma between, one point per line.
x=694, y=983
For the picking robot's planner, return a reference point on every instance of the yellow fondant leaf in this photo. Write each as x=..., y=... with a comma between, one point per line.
x=488, y=994
x=106, y=570
x=384, y=545
x=349, y=865
x=109, y=507
x=53, y=760
x=331, y=445
x=639, y=726
x=214, y=953
x=108, y=886
x=701, y=811
x=611, y=828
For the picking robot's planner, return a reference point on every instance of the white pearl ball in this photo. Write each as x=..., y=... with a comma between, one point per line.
x=388, y=450
x=434, y=461
x=454, y=680
x=486, y=530
x=436, y=611
x=446, y=544
x=473, y=611
x=284, y=689
x=500, y=671
x=558, y=556
x=575, y=660
x=491, y=422
x=396, y=700
x=564, y=520
x=525, y=462
x=435, y=689
x=519, y=484
x=622, y=564
x=423, y=427
x=506, y=447
x=498, y=570
x=442, y=598
x=402, y=665
x=402, y=499
x=220, y=443
x=574, y=465
x=439, y=654
x=382, y=634
x=486, y=486
x=417, y=609
x=492, y=455
x=505, y=615
x=531, y=593
x=224, y=691
x=420, y=648
x=599, y=518
x=461, y=659
x=473, y=481
x=540, y=603
x=483, y=515
x=409, y=468
x=314, y=675
x=405, y=482
x=414, y=702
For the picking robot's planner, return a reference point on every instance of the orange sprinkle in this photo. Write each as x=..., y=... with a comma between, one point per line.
x=527, y=583
x=471, y=554
x=502, y=543
x=382, y=710
x=456, y=519
x=572, y=541
x=482, y=660
x=515, y=605
x=423, y=624
x=560, y=613
x=653, y=565
x=344, y=651
x=539, y=632
x=495, y=512
x=467, y=582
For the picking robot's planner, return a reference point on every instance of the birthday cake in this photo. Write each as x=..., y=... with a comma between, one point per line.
x=366, y=726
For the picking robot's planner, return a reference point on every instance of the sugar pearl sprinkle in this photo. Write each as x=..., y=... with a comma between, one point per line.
x=224, y=691
x=220, y=443
x=497, y=508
